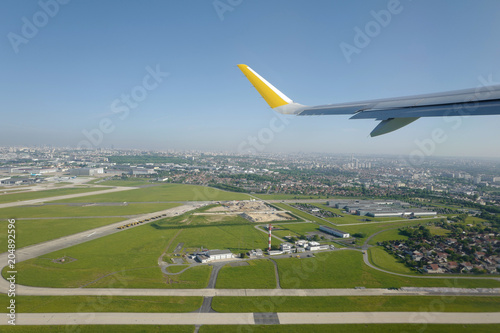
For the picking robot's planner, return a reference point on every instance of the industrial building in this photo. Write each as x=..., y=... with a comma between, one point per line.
x=86, y=171
x=398, y=213
x=319, y=247
x=334, y=232
x=212, y=255
x=379, y=208
x=220, y=254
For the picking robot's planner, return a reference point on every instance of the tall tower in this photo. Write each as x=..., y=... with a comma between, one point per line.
x=270, y=228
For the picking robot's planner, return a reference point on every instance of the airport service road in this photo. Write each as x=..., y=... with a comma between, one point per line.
x=63, y=197
x=114, y=318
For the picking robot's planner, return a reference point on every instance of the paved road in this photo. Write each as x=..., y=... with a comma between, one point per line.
x=216, y=267
x=63, y=197
x=255, y=318
x=276, y=273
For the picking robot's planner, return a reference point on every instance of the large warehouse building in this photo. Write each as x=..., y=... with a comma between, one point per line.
x=334, y=232
x=379, y=208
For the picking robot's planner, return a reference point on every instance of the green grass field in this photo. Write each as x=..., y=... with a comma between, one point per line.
x=30, y=232
x=259, y=274
x=294, y=229
x=67, y=211
x=352, y=328
x=5, y=198
x=166, y=192
x=129, y=182
x=301, y=214
x=237, y=238
x=346, y=269
x=437, y=231
x=380, y=258
x=104, y=303
x=370, y=229
x=176, y=269
x=193, y=278
x=131, y=252
x=392, y=234
x=356, y=303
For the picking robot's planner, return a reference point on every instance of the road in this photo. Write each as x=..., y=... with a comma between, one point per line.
x=294, y=318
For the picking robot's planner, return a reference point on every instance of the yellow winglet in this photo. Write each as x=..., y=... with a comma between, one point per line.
x=273, y=96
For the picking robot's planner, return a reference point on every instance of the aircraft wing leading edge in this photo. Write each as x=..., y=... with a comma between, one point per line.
x=393, y=113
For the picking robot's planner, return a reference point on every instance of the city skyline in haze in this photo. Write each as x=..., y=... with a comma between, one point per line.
x=162, y=75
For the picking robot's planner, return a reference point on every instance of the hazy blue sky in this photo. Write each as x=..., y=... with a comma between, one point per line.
x=65, y=70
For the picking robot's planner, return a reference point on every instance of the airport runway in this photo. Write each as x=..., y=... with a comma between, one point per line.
x=63, y=197
x=294, y=318
x=212, y=292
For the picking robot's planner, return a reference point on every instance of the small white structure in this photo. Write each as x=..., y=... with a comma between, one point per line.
x=286, y=247
x=256, y=253
x=301, y=243
x=275, y=252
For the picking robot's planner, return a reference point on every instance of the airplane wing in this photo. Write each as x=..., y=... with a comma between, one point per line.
x=393, y=113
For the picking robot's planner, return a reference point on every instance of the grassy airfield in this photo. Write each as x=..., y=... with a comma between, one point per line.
x=129, y=259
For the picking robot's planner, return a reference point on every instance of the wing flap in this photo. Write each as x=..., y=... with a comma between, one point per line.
x=477, y=108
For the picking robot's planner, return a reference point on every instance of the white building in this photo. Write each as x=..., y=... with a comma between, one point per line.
x=256, y=253
x=334, y=232
x=286, y=247
x=220, y=254
x=319, y=247
x=212, y=255
x=301, y=243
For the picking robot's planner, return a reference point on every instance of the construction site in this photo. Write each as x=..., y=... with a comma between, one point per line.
x=252, y=210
